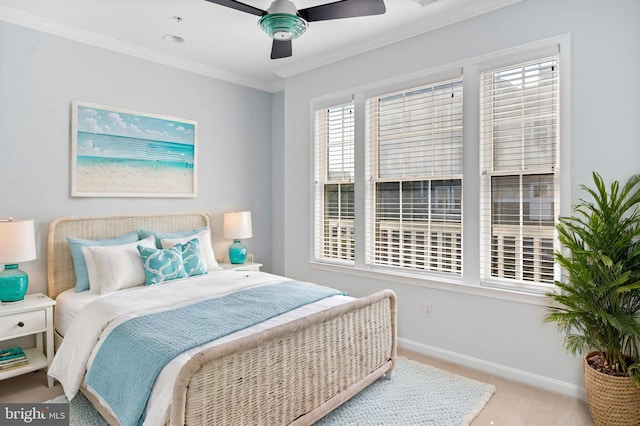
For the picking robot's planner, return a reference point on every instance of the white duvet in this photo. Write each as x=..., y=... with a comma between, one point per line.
x=96, y=320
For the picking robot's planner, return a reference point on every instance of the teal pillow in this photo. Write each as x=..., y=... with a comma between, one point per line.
x=162, y=265
x=192, y=260
x=144, y=233
x=80, y=265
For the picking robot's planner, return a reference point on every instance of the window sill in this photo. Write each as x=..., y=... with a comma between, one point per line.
x=438, y=283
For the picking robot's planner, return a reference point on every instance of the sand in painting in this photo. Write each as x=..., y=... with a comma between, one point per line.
x=126, y=176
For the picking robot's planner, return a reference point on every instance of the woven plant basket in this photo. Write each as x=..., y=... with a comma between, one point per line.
x=613, y=401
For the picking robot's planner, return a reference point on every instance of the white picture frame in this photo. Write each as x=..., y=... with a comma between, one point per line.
x=116, y=152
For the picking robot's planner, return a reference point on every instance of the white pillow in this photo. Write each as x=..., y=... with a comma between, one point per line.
x=113, y=268
x=206, y=250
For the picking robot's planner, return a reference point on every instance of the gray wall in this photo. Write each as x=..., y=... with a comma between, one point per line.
x=503, y=336
x=39, y=76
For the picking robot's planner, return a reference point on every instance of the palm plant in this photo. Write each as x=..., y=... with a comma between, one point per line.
x=598, y=305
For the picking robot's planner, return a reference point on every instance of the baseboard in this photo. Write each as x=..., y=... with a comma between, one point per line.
x=543, y=382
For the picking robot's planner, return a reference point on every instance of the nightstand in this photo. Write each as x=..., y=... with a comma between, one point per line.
x=246, y=266
x=32, y=316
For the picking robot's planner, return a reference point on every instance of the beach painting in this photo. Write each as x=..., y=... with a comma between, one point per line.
x=122, y=153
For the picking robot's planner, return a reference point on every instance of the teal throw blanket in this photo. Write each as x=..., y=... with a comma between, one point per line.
x=133, y=354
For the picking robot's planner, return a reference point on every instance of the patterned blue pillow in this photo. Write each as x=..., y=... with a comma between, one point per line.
x=191, y=257
x=162, y=265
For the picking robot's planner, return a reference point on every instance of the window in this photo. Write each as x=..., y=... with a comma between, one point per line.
x=414, y=168
x=520, y=194
x=413, y=146
x=334, y=177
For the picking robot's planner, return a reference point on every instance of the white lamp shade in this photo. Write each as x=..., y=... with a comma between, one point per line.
x=237, y=225
x=17, y=241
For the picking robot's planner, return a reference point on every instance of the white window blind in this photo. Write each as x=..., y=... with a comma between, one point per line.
x=414, y=169
x=334, y=177
x=519, y=160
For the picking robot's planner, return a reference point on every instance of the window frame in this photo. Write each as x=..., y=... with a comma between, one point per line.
x=428, y=246
x=487, y=202
x=470, y=282
x=323, y=179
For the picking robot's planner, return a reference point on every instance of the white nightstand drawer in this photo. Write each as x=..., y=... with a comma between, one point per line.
x=22, y=323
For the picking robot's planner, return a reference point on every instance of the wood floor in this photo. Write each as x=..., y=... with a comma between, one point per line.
x=513, y=404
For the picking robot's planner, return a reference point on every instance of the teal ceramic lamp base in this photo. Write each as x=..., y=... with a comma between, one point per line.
x=237, y=252
x=13, y=284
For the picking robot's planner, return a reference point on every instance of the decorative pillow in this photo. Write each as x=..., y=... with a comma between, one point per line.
x=144, y=233
x=162, y=265
x=79, y=263
x=206, y=250
x=115, y=267
x=191, y=258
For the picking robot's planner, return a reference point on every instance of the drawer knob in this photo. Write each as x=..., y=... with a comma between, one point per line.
x=20, y=324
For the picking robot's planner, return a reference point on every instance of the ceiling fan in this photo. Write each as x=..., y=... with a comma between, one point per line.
x=283, y=22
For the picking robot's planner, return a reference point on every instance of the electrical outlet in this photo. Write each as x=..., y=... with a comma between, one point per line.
x=249, y=257
x=426, y=310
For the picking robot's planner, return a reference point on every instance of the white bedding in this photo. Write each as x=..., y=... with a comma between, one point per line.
x=68, y=304
x=99, y=316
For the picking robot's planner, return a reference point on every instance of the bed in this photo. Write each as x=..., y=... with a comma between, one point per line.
x=290, y=369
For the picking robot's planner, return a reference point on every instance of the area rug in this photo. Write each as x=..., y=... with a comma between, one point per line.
x=416, y=394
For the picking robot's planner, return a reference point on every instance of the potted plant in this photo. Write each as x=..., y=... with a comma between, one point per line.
x=597, y=306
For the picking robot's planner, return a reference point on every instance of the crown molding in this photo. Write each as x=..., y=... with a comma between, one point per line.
x=277, y=86
x=437, y=21
x=14, y=16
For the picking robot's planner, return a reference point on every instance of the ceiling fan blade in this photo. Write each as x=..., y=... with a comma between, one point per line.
x=281, y=49
x=239, y=6
x=343, y=9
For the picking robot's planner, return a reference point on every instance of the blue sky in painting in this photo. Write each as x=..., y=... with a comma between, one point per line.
x=106, y=122
x=109, y=134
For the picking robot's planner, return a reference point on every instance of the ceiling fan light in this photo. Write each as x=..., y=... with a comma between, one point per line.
x=283, y=26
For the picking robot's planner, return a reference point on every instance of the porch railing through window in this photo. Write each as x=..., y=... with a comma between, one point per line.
x=432, y=247
x=338, y=239
x=525, y=254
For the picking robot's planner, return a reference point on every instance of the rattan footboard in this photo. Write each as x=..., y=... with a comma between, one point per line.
x=292, y=374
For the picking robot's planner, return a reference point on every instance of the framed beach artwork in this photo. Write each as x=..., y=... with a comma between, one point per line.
x=121, y=153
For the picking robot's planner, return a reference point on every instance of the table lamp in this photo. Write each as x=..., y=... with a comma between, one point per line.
x=17, y=244
x=237, y=226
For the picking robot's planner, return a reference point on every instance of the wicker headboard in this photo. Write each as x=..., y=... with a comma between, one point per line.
x=60, y=272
